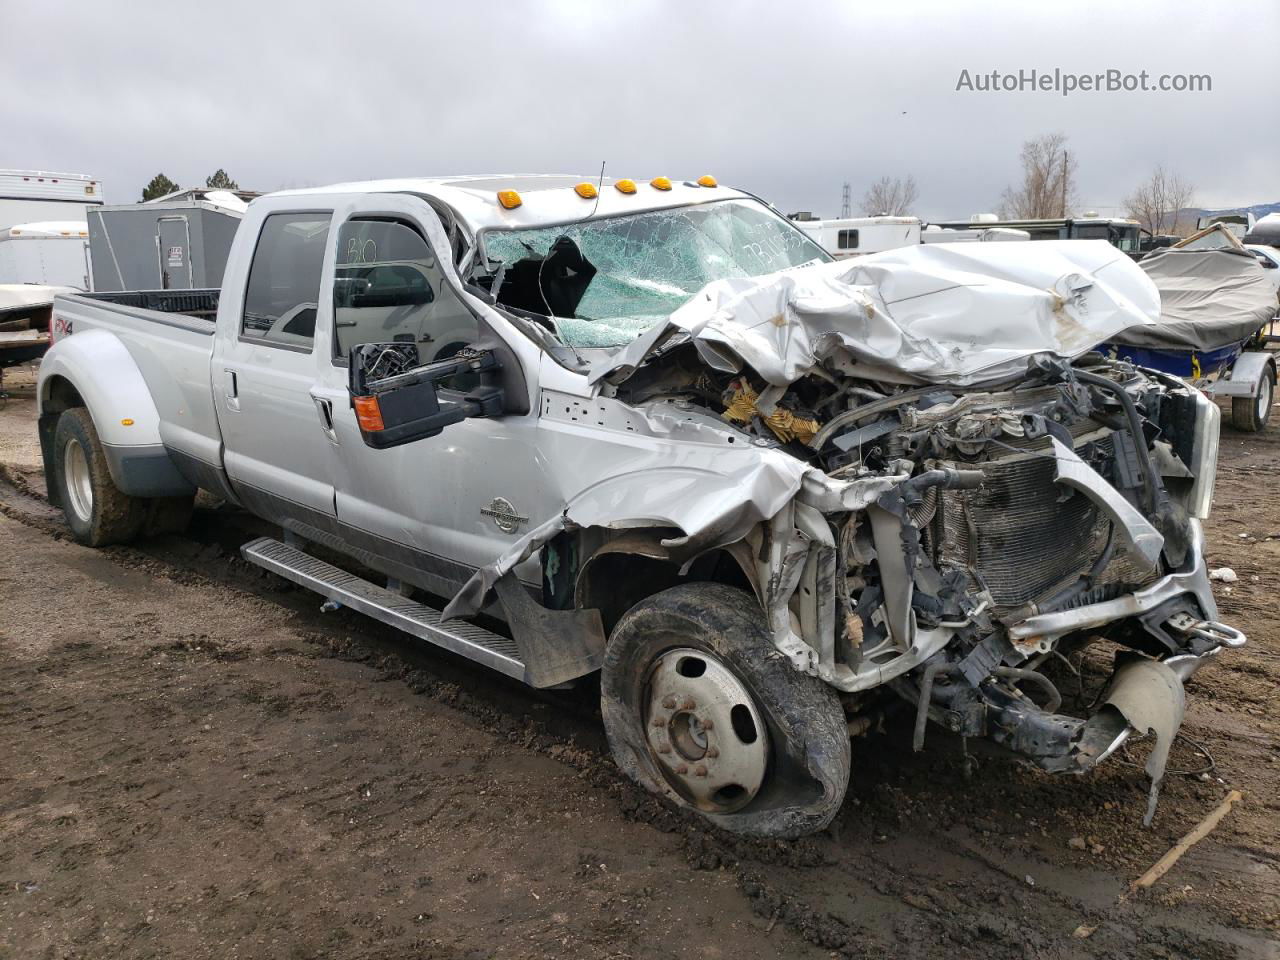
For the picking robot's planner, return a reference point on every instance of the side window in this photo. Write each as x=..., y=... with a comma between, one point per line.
x=847, y=240
x=387, y=287
x=284, y=279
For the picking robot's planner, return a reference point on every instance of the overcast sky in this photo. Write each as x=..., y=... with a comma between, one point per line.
x=785, y=99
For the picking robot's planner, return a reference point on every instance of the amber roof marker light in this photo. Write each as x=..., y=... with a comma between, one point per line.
x=660, y=183
x=587, y=191
x=625, y=186
x=707, y=180
x=509, y=199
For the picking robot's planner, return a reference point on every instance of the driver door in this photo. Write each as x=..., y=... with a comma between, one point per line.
x=427, y=504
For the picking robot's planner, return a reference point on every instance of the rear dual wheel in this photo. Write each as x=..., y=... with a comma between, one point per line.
x=97, y=512
x=700, y=707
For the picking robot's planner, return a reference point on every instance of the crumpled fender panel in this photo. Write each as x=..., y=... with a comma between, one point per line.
x=711, y=508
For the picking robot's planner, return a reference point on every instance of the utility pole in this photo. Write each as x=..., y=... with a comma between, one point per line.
x=1064, y=185
x=846, y=203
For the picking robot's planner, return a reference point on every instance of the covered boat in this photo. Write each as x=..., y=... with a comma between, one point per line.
x=1215, y=303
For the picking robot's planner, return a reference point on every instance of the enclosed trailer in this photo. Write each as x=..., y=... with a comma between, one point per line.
x=179, y=242
x=55, y=253
x=27, y=196
x=854, y=236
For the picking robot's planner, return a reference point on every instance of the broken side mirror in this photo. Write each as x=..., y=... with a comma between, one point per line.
x=397, y=400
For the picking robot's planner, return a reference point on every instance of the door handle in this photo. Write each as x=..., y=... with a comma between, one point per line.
x=324, y=407
x=233, y=390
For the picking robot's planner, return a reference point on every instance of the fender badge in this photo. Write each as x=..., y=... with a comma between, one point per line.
x=503, y=514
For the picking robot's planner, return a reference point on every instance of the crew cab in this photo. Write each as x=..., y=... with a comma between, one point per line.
x=650, y=431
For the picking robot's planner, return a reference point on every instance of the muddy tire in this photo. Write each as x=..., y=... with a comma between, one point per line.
x=701, y=708
x=1251, y=414
x=96, y=511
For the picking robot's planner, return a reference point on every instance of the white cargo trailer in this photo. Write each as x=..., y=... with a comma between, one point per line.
x=54, y=253
x=27, y=196
x=854, y=236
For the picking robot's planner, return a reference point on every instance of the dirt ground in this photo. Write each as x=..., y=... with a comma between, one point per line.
x=194, y=761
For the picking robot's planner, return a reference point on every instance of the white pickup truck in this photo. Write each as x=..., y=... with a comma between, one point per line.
x=651, y=431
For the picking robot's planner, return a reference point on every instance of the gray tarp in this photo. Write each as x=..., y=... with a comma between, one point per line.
x=951, y=313
x=1208, y=299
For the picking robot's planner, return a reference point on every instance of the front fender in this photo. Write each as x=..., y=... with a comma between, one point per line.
x=709, y=507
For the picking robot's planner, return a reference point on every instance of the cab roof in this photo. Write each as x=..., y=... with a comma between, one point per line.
x=546, y=199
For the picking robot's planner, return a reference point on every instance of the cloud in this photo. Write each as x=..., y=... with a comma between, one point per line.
x=787, y=100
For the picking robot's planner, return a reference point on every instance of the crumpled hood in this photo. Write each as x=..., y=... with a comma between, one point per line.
x=962, y=314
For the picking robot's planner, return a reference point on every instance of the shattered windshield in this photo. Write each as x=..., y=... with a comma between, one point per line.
x=608, y=280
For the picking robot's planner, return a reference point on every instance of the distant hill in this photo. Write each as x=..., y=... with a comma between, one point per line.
x=1259, y=210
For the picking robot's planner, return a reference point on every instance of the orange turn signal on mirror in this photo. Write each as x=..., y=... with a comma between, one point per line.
x=707, y=180
x=587, y=191
x=509, y=199
x=368, y=414
x=626, y=186
x=660, y=183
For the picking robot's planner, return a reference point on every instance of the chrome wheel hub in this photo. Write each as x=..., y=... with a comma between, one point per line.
x=705, y=731
x=79, y=482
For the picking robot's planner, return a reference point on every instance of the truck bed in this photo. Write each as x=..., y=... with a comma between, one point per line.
x=202, y=304
x=169, y=336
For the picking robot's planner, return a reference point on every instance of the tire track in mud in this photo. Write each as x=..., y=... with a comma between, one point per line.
x=888, y=876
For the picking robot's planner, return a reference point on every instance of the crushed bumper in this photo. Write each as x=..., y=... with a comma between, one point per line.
x=1145, y=695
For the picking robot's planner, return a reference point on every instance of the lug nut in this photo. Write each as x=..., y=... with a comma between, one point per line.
x=682, y=769
x=700, y=770
x=708, y=724
x=689, y=704
x=659, y=721
x=713, y=752
x=664, y=748
x=668, y=703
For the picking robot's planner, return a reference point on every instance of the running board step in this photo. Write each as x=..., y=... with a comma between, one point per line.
x=460, y=637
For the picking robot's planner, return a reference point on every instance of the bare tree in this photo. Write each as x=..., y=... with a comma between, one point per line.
x=892, y=198
x=1157, y=201
x=1048, y=187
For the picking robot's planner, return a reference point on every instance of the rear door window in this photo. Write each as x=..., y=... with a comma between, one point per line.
x=283, y=292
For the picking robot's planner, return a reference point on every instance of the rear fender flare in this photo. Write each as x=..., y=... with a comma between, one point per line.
x=99, y=368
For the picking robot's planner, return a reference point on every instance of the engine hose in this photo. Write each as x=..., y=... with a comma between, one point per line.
x=1155, y=492
x=912, y=490
x=832, y=426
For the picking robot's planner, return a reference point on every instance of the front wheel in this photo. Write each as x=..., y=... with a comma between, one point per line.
x=1252, y=413
x=699, y=706
x=96, y=511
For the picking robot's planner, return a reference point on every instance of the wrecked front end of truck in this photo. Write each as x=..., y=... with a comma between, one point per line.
x=985, y=496
x=916, y=461
x=1025, y=523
